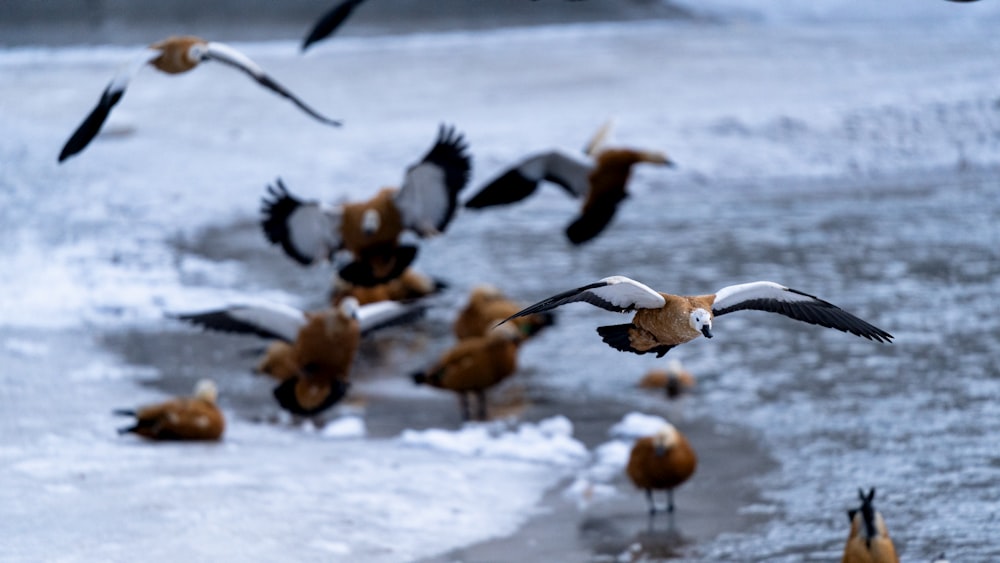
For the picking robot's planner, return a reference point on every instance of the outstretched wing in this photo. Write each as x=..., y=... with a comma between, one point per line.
x=382, y=314
x=111, y=95
x=268, y=321
x=306, y=230
x=616, y=293
x=226, y=54
x=330, y=22
x=430, y=189
x=517, y=183
x=776, y=298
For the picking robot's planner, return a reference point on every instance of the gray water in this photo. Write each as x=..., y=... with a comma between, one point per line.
x=855, y=163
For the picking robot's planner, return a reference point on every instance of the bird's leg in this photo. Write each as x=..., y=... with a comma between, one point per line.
x=670, y=501
x=481, y=398
x=651, y=502
x=463, y=399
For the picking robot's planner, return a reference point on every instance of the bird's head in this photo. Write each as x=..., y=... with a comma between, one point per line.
x=701, y=321
x=206, y=390
x=370, y=222
x=664, y=439
x=656, y=157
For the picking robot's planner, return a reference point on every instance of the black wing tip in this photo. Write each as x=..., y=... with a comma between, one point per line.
x=512, y=186
x=276, y=207
x=450, y=151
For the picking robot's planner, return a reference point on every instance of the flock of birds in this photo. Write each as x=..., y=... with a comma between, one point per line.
x=313, y=352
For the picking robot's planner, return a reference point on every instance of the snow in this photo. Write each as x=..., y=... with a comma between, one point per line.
x=92, y=246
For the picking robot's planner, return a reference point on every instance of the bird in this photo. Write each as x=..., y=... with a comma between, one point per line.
x=599, y=176
x=674, y=380
x=175, y=55
x=663, y=321
x=664, y=460
x=486, y=304
x=182, y=418
x=868, y=541
x=315, y=363
x=330, y=21
x=410, y=285
x=474, y=365
x=369, y=231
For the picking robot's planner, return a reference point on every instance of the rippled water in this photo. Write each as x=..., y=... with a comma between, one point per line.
x=856, y=164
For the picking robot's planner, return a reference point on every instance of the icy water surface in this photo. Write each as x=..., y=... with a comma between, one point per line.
x=854, y=162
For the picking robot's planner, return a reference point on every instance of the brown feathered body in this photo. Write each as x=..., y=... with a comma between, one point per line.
x=356, y=229
x=674, y=380
x=323, y=352
x=175, y=54
x=279, y=361
x=485, y=306
x=667, y=326
x=183, y=418
x=610, y=175
x=662, y=461
x=474, y=365
x=410, y=285
x=868, y=542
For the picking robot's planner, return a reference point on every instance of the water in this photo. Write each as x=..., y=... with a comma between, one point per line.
x=854, y=162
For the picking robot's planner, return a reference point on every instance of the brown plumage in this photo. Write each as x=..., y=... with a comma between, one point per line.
x=474, y=365
x=868, y=540
x=410, y=285
x=183, y=418
x=674, y=380
x=370, y=230
x=278, y=361
x=487, y=304
x=661, y=462
x=663, y=321
x=323, y=352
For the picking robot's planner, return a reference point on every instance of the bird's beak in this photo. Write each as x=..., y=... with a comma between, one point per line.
x=707, y=331
x=669, y=163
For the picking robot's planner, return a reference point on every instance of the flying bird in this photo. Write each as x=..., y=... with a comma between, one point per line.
x=369, y=231
x=662, y=461
x=868, y=541
x=599, y=176
x=313, y=360
x=474, y=365
x=174, y=55
x=183, y=418
x=663, y=321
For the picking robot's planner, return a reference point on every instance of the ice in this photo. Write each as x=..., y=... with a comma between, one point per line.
x=548, y=441
x=637, y=425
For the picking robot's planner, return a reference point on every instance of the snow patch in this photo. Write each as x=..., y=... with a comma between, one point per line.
x=549, y=441
x=345, y=427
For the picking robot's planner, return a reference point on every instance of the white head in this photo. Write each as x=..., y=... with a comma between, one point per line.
x=198, y=52
x=370, y=222
x=206, y=390
x=349, y=307
x=701, y=321
x=665, y=438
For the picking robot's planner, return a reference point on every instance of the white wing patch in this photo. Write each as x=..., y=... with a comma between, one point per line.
x=734, y=295
x=272, y=317
x=627, y=293
x=423, y=200
x=226, y=54
x=130, y=69
x=314, y=229
x=568, y=170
